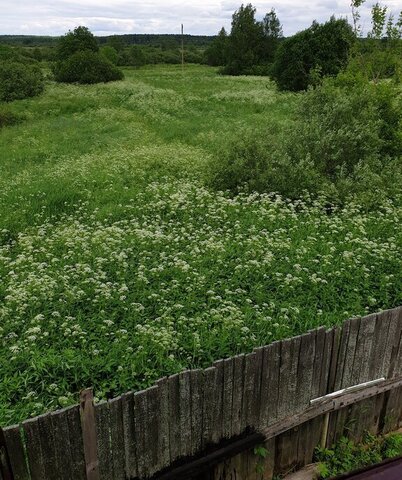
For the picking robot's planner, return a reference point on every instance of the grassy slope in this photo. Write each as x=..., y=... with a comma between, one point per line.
x=118, y=266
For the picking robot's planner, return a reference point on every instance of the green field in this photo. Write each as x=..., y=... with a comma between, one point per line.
x=118, y=264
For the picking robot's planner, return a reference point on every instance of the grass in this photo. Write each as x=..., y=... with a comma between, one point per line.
x=118, y=265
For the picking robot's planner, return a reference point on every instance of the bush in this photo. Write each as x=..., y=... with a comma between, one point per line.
x=8, y=118
x=86, y=67
x=19, y=80
x=322, y=48
x=110, y=54
x=343, y=143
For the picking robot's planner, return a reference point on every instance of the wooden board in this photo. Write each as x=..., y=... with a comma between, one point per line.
x=16, y=452
x=163, y=446
x=197, y=387
x=271, y=362
x=237, y=400
x=127, y=401
x=33, y=449
x=174, y=417
x=105, y=456
x=64, y=459
x=117, y=438
x=76, y=442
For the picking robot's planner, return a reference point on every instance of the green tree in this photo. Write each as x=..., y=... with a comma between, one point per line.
x=116, y=42
x=76, y=41
x=109, y=53
x=273, y=33
x=246, y=41
x=216, y=53
x=321, y=50
x=379, y=56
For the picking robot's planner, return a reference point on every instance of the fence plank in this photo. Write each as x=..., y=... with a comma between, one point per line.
x=102, y=417
x=163, y=414
x=237, y=401
x=16, y=453
x=146, y=431
x=153, y=430
x=63, y=456
x=127, y=401
x=228, y=380
x=364, y=348
x=33, y=448
x=288, y=376
x=251, y=390
x=117, y=438
x=140, y=425
x=378, y=354
x=185, y=413
x=174, y=417
x=393, y=340
x=305, y=371
x=88, y=425
x=197, y=387
x=47, y=444
x=319, y=363
x=218, y=403
x=270, y=384
x=210, y=376
x=348, y=376
x=76, y=442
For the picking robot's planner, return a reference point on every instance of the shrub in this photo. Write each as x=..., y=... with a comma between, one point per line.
x=343, y=143
x=86, y=67
x=347, y=456
x=19, y=80
x=110, y=54
x=8, y=118
x=321, y=48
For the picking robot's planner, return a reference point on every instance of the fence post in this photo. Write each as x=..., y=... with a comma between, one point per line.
x=5, y=468
x=89, y=434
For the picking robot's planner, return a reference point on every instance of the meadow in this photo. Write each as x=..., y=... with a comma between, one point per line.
x=119, y=264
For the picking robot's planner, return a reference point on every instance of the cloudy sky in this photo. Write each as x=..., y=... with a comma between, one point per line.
x=200, y=17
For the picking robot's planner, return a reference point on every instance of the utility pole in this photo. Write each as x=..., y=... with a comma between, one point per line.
x=182, y=46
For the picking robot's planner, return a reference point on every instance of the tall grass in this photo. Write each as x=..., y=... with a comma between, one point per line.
x=118, y=265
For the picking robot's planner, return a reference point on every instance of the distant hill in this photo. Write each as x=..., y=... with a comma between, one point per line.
x=160, y=40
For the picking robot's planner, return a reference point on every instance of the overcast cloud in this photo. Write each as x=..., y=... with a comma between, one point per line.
x=200, y=17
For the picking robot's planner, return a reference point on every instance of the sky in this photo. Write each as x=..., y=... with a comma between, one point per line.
x=200, y=17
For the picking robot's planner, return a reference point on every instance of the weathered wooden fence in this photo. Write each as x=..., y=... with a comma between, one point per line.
x=204, y=424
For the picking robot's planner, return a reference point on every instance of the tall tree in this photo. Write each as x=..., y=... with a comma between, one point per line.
x=246, y=41
x=273, y=32
x=76, y=41
x=216, y=53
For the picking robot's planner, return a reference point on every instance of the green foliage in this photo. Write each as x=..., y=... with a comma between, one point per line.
x=9, y=118
x=216, y=53
x=323, y=46
x=346, y=456
x=273, y=33
x=109, y=54
x=80, y=39
x=246, y=41
x=342, y=140
x=86, y=67
x=19, y=80
x=119, y=266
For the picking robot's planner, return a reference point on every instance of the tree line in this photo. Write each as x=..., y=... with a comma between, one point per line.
x=259, y=47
